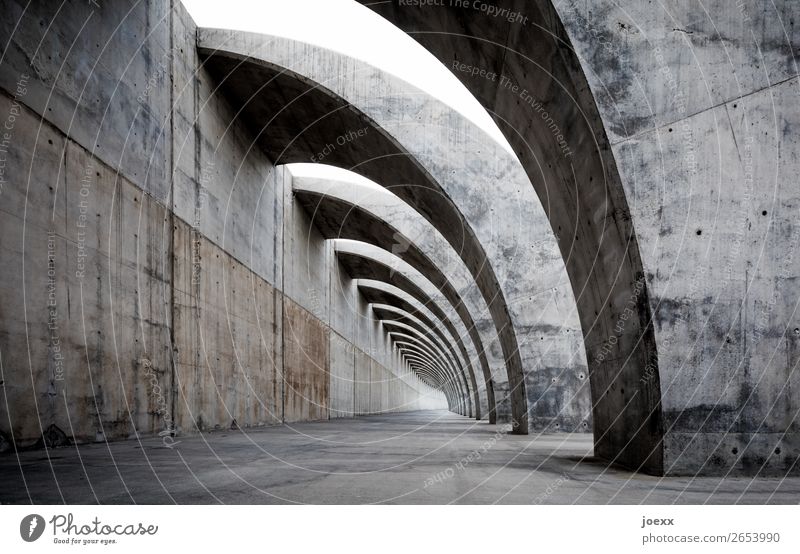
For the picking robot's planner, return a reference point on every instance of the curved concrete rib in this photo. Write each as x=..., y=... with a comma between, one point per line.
x=371, y=262
x=365, y=261
x=396, y=320
x=295, y=119
x=441, y=380
x=455, y=372
x=417, y=357
x=447, y=373
x=538, y=87
x=395, y=328
x=445, y=384
x=436, y=356
x=338, y=210
x=361, y=259
x=379, y=292
x=389, y=314
x=427, y=374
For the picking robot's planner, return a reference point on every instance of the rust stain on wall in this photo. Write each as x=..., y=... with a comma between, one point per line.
x=307, y=365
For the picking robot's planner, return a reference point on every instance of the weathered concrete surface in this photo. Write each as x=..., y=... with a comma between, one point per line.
x=393, y=459
x=474, y=192
x=214, y=173
x=306, y=365
x=228, y=340
x=707, y=140
x=264, y=89
x=149, y=253
x=682, y=123
x=343, y=375
x=75, y=275
x=133, y=321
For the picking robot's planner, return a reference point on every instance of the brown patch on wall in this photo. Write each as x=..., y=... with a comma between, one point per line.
x=227, y=333
x=342, y=365
x=307, y=365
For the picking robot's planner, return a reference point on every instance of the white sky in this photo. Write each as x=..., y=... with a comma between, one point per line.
x=333, y=173
x=348, y=27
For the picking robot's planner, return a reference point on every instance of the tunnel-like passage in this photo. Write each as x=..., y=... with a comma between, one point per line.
x=582, y=194
x=245, y=66
x=171, y=274
x=338, y=215
x=380, y=293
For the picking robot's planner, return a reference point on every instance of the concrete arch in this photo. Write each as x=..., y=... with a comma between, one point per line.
x=727, y=382
x=366, y=261
x=393, y=318
x=395, y=327
x=379, y=292
x=455, y=370
x=389, y=313
x=581, y=191
x=412, y=351
x=383, y=266
x=428, y=374
x=446, y=372
x=245, y=66
x=434, y=371
x=434, y=352
x=338, y=214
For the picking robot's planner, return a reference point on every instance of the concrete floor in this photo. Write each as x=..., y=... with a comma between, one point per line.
x=408, y=458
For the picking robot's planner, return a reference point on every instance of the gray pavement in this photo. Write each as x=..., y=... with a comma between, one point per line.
x=412, y=458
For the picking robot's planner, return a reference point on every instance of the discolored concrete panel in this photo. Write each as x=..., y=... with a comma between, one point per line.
x=376, y=385
x=227, y=333
x=306, y=365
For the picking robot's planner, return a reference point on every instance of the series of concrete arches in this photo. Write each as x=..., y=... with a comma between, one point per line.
x=571, y=283
x=294, y=116
x=545, y=105
x=301, y=126
x=588, y=96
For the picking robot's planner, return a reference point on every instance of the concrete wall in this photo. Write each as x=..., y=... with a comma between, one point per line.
x=153, y=260
x=701, y=108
